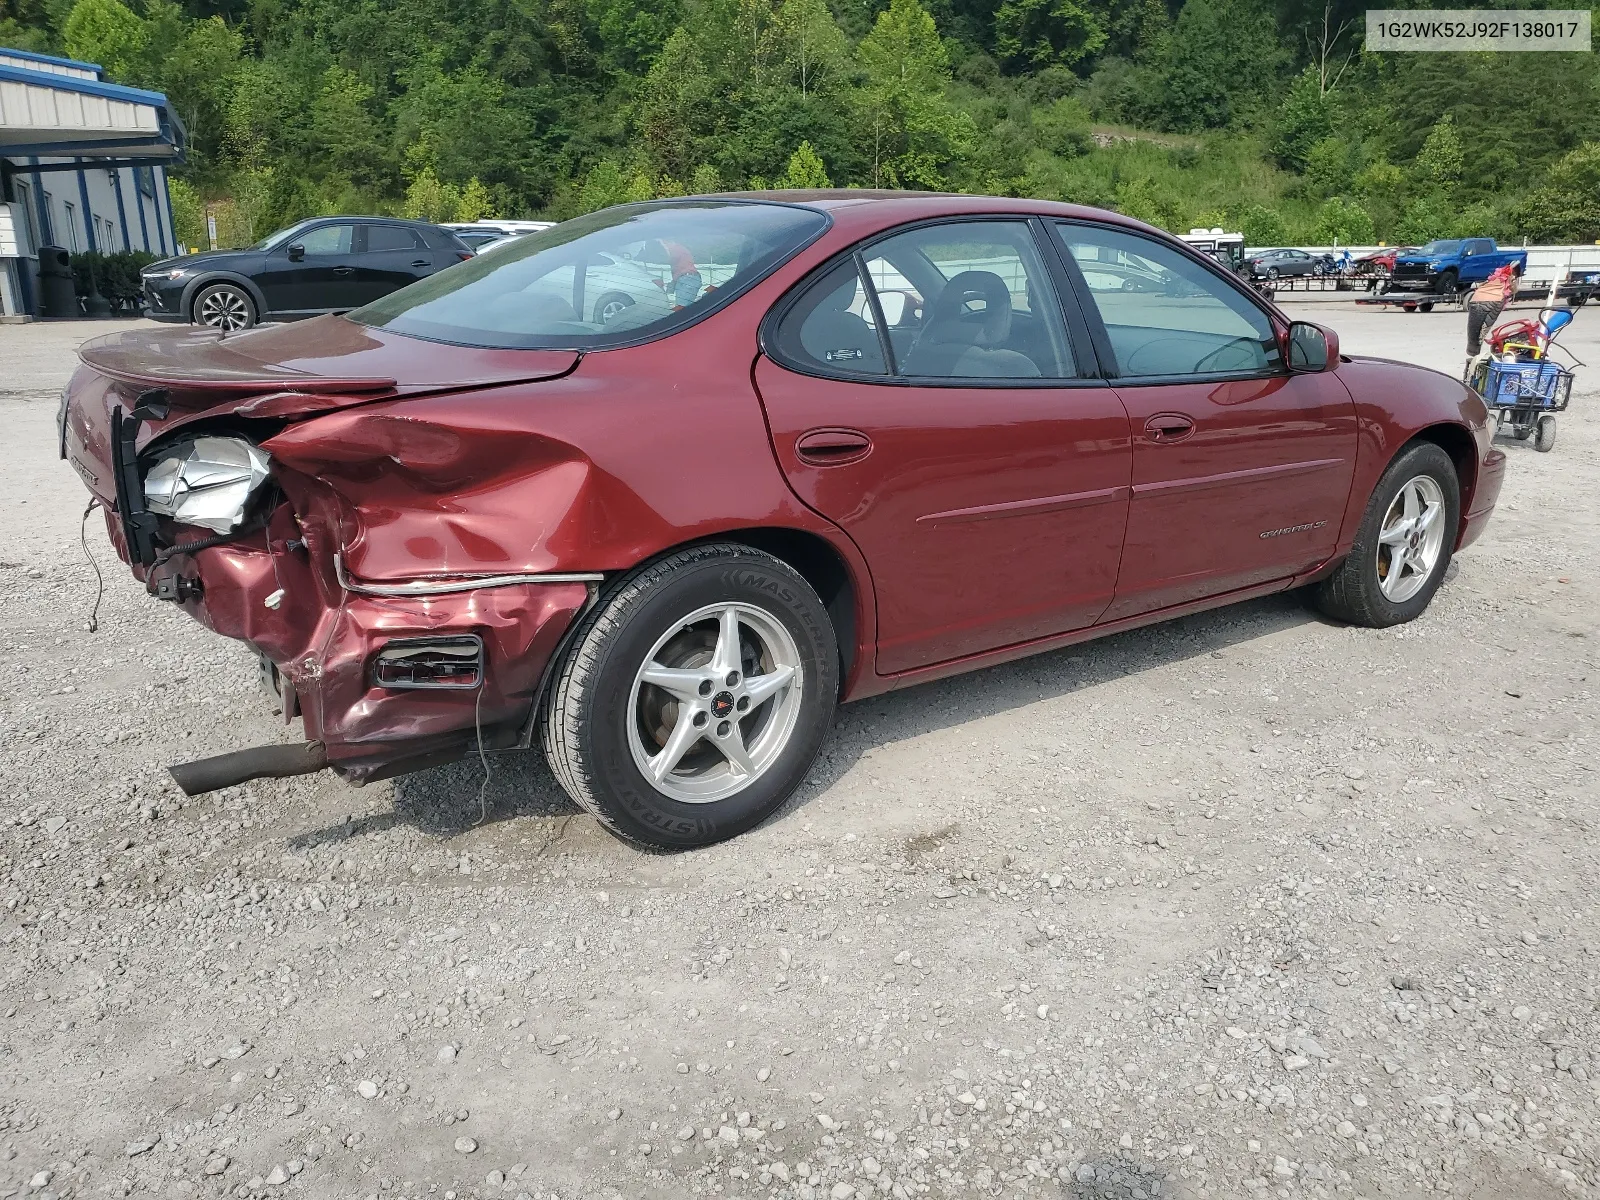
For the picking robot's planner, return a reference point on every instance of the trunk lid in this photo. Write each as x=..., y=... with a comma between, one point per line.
x=325, y=356
x=279, y=372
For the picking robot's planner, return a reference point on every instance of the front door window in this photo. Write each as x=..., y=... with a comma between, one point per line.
x=1165, y=314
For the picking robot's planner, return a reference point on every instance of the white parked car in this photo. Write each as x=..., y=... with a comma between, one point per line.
x=477, y=234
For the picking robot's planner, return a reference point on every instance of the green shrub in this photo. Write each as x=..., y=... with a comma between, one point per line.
x=115, y=275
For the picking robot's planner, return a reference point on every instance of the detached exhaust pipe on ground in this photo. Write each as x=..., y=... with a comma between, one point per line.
x=277, y=761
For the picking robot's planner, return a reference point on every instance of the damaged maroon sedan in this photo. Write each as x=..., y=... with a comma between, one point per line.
x=662, y=485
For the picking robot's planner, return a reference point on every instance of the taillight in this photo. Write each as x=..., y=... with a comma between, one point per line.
x=444, y=662
x=463, y=255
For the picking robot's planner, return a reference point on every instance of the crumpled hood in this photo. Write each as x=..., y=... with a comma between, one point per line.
x=327, y=362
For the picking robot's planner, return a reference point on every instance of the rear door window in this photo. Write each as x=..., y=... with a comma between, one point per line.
x=391, y=237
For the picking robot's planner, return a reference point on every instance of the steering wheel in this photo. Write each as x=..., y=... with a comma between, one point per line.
x=951, y=304
x=1239, y=343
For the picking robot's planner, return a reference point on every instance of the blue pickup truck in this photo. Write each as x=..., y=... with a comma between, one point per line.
x=1451, y=265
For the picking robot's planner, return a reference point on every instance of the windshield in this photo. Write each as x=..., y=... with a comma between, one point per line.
x=277, y=239
x=619, y=275
x=1435, y=248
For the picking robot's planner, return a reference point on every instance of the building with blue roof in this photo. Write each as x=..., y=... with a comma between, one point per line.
x=83, y=166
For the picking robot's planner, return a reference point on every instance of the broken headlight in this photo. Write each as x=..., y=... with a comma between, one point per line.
x=207, y=482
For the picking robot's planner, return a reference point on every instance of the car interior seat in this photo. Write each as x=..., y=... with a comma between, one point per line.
x=956, y=342
x=834, y=335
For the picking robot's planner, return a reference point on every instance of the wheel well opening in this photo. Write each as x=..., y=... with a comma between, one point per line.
x=1463, y=451
x=823, y=568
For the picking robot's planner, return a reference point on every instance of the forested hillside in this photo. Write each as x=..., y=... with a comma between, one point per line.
x=1246, y=113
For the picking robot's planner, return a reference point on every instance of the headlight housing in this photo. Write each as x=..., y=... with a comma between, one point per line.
x=172, y=273
x=207, y=482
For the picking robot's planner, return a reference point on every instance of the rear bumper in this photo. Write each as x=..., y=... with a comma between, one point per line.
x=324, y=640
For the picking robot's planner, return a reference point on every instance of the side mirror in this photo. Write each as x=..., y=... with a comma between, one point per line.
x=1312, y=348
x=296, y=252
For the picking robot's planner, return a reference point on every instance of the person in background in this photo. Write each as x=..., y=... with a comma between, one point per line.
x=685, y=286
x=1484, y=306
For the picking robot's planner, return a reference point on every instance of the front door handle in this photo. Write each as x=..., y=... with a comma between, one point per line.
x=832, y=447
x=1167, y=428
x=344, y=270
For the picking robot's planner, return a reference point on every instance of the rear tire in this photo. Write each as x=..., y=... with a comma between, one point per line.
x=610, y=732
x=610, y=306
x=1369, y=588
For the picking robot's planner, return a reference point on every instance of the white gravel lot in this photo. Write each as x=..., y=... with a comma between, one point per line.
x=1249, y=904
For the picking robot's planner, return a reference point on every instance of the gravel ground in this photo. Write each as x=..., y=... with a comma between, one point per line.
x=1249, y=904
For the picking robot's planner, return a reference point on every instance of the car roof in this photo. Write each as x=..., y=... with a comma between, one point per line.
x=365, y=219
x=871, y=206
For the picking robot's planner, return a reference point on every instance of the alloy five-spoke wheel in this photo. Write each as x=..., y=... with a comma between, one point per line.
x=693, y=698
x=1411, y=539
x=224, y=307
x=1403, y=544
x=715, y=702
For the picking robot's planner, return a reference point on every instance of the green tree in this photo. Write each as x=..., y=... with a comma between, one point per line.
x=188, y=213
x=1441, y=159
x=1304, y=119
x=108, y=33
x=1062, y=128
x=345, y=130
x=603, y=186
x=1222, y=60
x=1425, y=218
x=1329, y=167
x=1262, y=227
x=676, y=102
x=475, y=203
x=427, y=199
x=805, y=170
x=1345, y=222
x=912, y=129
x=705, y=180
x=813, y=47
x=632, y=32
x=1566, y=207
x=1037, y=33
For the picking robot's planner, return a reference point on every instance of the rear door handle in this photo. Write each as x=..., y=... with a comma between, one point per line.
x=344, y=270
x=421, y=262
x=1167, y=428
x=832, y=447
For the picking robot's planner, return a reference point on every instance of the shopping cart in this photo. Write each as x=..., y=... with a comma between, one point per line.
x=1527, y=395
x=1517, y=380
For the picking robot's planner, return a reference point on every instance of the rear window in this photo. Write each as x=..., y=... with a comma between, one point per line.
x=618, y=276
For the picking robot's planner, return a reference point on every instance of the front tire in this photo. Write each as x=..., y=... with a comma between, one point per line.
x=224, y=306
x=1544, y=436
x=1403, y=546
x=695, y=697
x=1447, y=283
